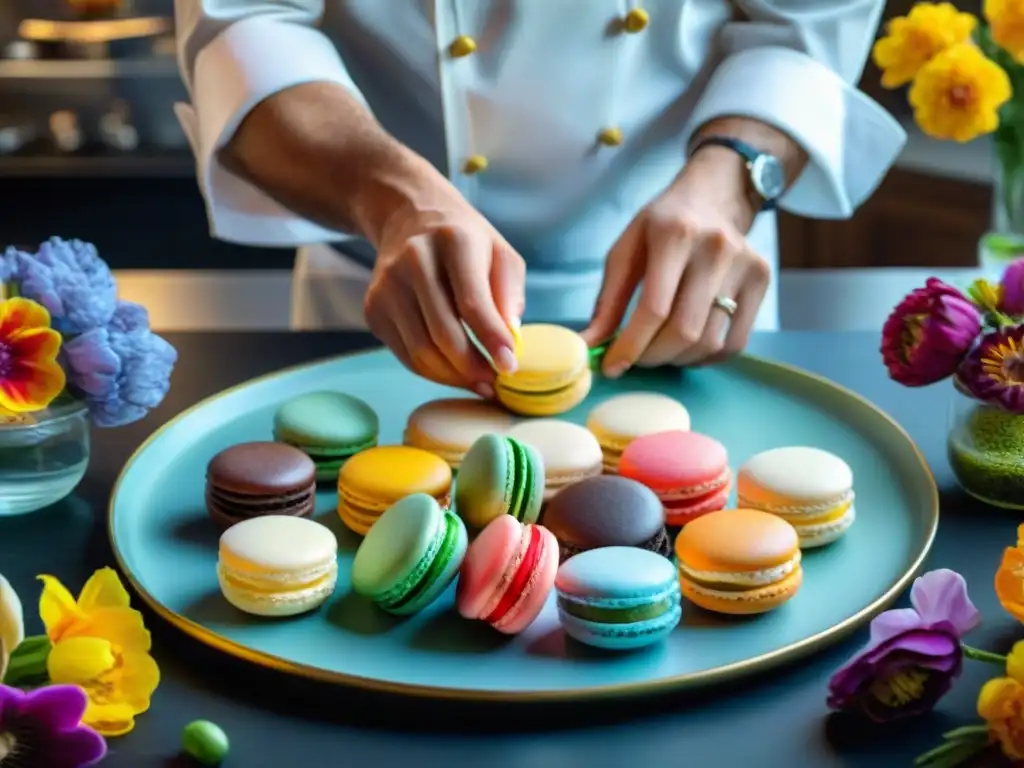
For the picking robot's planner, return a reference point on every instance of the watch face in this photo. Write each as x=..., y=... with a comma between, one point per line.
x=767, y=177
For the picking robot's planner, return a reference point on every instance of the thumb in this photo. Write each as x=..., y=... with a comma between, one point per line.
x=508, y=282
x=623, y=271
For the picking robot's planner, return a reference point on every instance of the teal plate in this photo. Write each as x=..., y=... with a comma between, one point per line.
x=167, y=547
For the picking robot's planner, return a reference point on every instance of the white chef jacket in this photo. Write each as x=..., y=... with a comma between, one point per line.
x=546, y=78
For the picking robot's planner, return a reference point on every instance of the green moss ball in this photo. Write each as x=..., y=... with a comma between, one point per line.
x=205, y=742
x=987, y=455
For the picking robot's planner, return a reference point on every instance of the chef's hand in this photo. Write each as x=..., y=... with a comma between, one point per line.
x=688, y=250
x=439, y=264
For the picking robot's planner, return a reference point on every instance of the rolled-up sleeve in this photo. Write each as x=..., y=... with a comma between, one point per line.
x=232, y=56
x=794, y=64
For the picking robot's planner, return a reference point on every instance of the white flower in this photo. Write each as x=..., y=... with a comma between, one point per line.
x=12, y=623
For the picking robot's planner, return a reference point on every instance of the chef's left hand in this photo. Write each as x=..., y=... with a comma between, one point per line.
x=687, y=248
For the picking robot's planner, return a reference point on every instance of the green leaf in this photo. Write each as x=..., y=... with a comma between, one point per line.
x=27, y=665
x=950, y=754
x=967, y=731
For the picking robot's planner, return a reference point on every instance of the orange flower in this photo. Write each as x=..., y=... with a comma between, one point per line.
x=30, y=377
x=1010, y=578
x=1006, y=20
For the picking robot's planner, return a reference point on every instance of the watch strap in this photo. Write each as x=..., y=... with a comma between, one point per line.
x=744, y=150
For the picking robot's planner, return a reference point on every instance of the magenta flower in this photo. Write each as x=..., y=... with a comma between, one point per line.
x=928, y=334
x=994, y=370
x=1011, y=300
x=44, y=728
x=913, y=655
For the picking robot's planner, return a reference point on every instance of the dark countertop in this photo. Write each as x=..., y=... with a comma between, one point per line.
x=275, y=721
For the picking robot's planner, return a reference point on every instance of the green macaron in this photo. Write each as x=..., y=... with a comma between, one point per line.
x=499, y=475
x=328, y=426
x=410, y=555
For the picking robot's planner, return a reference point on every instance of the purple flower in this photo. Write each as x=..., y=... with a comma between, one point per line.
x=45, y=728
x=1011, y=284
x=913, y=655
x=121, y=370
x=68, y=278
x=928, y=334
x=994, y=370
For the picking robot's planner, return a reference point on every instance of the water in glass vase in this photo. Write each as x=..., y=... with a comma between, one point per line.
x=43, y=457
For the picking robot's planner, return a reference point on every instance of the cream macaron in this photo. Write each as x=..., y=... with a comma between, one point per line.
x=809, y=488
x=570, y=452
x=277, y=565
x=621, y=419
x=449, y=426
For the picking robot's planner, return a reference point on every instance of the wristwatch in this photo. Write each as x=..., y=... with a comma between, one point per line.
x=767, y=178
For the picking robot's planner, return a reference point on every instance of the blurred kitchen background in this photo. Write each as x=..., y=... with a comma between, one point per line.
x=90, y=148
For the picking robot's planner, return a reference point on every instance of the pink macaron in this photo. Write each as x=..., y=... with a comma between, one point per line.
x=689, y=472
x=507, y=574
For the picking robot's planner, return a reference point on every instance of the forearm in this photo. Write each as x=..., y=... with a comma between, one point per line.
x=721, y=172
x=319, y=152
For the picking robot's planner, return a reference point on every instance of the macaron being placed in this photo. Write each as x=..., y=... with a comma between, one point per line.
x=507, y=574
x=618, y=598
x=687, y=470
x=570, y=452
x=620, y=420
x=374, y=479
x=499, y=476
x=277, y=565
x=553, y=374
x=810, y=488
x=410, y=556
x=448, y=427
x=262, y=478
x=739, y=561
x=607, y=511
x=330, y=427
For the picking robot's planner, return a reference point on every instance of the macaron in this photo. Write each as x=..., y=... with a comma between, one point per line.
x=277, y=565
x=262, y=478
x=621, y=419
x=739, y=561
x=570, y=452
x=448, y=427
x=607, y=511
x=330, y=427
x=410, y=556
x=810, y=488
x=499, y=476
x=687, y=470
x=374, y=479
x=553, y=373
x=507, y=575
x=618, y=598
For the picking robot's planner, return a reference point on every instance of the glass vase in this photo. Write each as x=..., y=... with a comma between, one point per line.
x=985, y=446
x=43, y=457
x=1004, y=242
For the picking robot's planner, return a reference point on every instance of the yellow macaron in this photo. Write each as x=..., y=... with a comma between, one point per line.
x=373, y=480
x=553, y=374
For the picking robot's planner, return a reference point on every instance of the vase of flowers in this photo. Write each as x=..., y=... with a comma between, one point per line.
x=966, y=79
x=975, y=338
x=72, y=355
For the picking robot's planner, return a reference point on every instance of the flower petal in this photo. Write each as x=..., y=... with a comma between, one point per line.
x=996, y=696
x=941, y=595
x=1009, y=584
x=57, y=607
x=889, y=624
x=103, y=590
x=79, y=748
x=20, y=313
x=1015, y=662
x=109, y=719
x=124, y=627
x=140, y=677
x=31, y=386
x=34, y=344
x=80, y=660
x=56, y=707
x=12, y=623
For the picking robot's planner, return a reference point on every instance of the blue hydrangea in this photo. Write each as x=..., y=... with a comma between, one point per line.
x=69, y=278
x=121, y=370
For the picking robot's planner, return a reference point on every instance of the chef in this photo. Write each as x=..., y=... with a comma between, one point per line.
x=448, y=168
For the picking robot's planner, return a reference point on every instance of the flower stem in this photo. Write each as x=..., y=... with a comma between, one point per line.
x=988, y=657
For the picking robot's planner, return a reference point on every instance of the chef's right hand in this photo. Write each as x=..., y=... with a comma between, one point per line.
x=439, y=265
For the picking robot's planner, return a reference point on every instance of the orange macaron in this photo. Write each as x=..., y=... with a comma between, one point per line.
x=739, y=561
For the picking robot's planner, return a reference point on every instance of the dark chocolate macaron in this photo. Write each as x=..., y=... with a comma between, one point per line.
x=607, y=511
x=254, y=479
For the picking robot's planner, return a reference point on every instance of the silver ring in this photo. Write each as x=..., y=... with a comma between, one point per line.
x=726, y=304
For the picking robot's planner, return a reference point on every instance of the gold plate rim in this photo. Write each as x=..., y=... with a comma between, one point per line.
x=721, y=674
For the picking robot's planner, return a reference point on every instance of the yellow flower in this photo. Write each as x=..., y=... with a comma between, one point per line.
x=1001, y=705
x=913, y=40
x=1006, y=22
x=957, y=95
x=102, y=645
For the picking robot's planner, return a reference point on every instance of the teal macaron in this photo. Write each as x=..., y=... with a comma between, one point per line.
x=410, y=555
x=499, y=475
x=329, y=427
x=618, y=598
